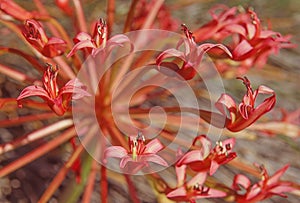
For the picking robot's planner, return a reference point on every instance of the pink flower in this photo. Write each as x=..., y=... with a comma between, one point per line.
x=207, y=159
x=57, y=99
x=185, y=63
x=98, y=41
x=138, y=154
x=267, y=187
x=246, y=113
x=36, y=36
x=193, y=189
x=250, y=44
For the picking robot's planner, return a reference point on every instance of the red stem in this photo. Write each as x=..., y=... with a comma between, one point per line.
x=38, y=152
x=130, y=16
x=132, y=190
x=104, y=185
x=80, y=16
x=90, y=183
x=110, y=16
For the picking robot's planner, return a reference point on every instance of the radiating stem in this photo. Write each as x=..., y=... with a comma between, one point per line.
x=80, y=16
x=130, y=16
x=132, y=190
x=237, y=163
x=90, y=183
x=153, y=13
x=14, y=74
x=33, y=61
x=104, y=185
x=38, y=134
x=110, y=16
x=60, y=176
x=38, y=152
x=24, y=119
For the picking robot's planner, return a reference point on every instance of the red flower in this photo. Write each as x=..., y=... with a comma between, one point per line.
x=192, y=189
x=185, y=63
x=36, y=36
x=251, y=43
x=267, y=187
x=246, y=113
x=207, y=159
x=57, y=99
x=98, y=41
x=138, y=154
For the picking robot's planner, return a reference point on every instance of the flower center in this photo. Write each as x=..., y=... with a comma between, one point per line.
x=137, y=146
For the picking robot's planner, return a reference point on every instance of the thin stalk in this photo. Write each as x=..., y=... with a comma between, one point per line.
x=110, y=16
x=60, y=176
x=43, y=11
x=118, y=74
x=237, y=163
x=16, y=75
x=213, y=118
x=24, y=119
x=116, y=135
x=132, y=190
x=38, y=152
x=153, y=13
x=33, y=61
x=90, y=183
x=80, y=16
x=38, y=134
x=104, y=185
x=130, y=16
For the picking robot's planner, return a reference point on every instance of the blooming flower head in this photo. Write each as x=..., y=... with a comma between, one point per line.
x=193, y=189
x=57, y=99
x=251, y=43
x=98, y=41
x=138, y=154
x=36, y=36
x=207, y=159
x=185, y=64
x=246, y=113
x=267, y=187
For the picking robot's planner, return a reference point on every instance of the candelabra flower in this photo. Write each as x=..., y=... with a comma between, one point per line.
x=57, y=99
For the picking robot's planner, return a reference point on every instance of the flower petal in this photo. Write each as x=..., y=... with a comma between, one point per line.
x=76, y=88
x=125, y=160
x=81, y=45
x=277, y=175
x=226, y=102
x=180, y=174
x=241, y=180
x=154, y=158
x=34, y=91
x=199, y=178
x=241, y=50
x=54, y=47
x=191, y=156
x=115, y=152
x=153, y=146
x=169, y=53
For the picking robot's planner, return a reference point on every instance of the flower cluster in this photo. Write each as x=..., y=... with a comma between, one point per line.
x=250, y=44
